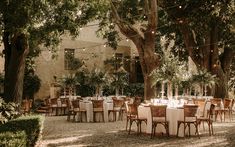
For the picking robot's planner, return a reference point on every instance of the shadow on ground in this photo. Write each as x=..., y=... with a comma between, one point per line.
x=109, y=134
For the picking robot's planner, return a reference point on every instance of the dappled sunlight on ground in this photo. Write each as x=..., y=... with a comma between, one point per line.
x=58, y=132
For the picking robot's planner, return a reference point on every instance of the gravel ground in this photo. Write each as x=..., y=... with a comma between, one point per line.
x=58, y=132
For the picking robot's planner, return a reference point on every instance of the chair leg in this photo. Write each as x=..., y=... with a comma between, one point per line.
x=212, y=130
x=80, y=116
x=140, y=126
x=189, y=130
x=114, y=116
x=126, y=123
x=196, y=125
x=103, y=116
x=178, y=125
x=154, y=130
x=94, y=117
x=130, y=127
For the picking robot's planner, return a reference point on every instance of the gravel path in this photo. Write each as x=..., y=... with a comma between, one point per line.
x=58, y=132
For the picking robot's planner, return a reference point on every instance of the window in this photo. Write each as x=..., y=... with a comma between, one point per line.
x=118, y=60
x=68, y=58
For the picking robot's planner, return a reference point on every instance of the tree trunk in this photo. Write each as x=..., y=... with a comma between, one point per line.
x=176, y=91
x=149, y=90
x=16, y=50
x=221, y=87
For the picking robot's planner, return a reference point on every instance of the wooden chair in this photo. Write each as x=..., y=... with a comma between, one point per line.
x=208, y=119
x=117, y=108
x=64, y=105
x=76, y=109
x=201, y=105
x=218, y=108
x=44, y=108
x=227, y=108
x=26, y=106
x=133, y=117
x=53, y=104
x=190, y=117
x=158, y=114
x=98, y=108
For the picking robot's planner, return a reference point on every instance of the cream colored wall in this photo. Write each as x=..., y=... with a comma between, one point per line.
x=93, y=56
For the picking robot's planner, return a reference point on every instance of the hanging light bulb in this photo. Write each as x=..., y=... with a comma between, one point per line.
x=127, y=39
x=84, y=49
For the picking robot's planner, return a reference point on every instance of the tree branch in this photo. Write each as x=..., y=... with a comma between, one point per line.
x=126, y=29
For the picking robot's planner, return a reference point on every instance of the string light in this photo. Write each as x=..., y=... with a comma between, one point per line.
x=84, y=49
x=180, y=6
x=127, y=39
x=152, y=32
x=105, y=45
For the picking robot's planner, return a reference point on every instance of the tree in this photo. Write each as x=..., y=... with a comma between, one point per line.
x=206, y=28
x=138, y=21
x=26, y=24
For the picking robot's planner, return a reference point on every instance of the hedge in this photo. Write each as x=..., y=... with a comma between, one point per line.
x=13, y=139
x=31, y=125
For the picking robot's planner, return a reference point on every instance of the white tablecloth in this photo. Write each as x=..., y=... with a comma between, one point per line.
x=89, y=108
x=173, y=115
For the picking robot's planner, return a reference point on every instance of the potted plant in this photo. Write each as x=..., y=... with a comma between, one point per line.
x=69, y=82
x=204, y=79
x=97, y=79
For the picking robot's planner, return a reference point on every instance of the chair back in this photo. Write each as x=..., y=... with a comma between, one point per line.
x=201, y=104
x=190, y=110
x=216, y=102
x=97, y=103
x=158, y=111
x=54, y=101
x=133, y=109
x=137, y=100
x=64, y=102
x=227, y=103
x=118, y=103
x=75, y=104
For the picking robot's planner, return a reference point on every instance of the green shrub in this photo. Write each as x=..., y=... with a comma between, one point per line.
x=7, y=111
x=13, y=139
x=32, y=125
x=134, y=89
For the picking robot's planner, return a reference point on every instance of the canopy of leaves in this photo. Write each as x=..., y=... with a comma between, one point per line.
x=43, y=20
x=199, y=17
